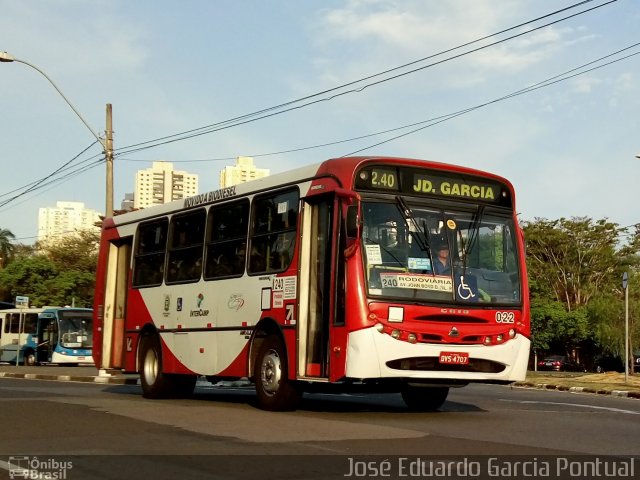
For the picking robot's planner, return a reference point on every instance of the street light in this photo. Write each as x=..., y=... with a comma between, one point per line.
x=107, y=144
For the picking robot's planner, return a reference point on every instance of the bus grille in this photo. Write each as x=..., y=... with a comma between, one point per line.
x=432, y=364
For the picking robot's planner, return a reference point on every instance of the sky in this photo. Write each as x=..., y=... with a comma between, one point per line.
x=167, y=67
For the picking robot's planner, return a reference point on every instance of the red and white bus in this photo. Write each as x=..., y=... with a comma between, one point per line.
x=373, y=273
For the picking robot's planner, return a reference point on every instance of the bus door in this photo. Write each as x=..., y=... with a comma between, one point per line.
x=47, y=338
x=113, y=324
x=321, y=353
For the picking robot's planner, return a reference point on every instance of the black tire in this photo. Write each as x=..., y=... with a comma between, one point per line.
x=29, y=358
x=424, y=399
x=275, y=391
x=155, y=383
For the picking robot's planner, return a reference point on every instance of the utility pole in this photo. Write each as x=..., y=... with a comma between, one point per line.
x=625, y=287
x=108, y=156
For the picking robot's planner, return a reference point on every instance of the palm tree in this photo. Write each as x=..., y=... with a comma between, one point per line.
x=6, y=247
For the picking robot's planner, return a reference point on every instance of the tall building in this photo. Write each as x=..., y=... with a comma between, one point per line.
x=243, y=171
x=162, y=184
x=65, y=218
x=127, y=202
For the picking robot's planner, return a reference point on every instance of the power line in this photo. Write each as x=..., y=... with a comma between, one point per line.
x=233, y=122
x=531, y=88
x=35, y=185
x=432, y=121
x=52, y=183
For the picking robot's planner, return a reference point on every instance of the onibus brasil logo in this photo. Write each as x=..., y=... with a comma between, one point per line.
x=35, y=468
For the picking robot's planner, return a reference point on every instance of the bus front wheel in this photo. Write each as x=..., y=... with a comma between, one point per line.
x=155, y=383
x=274, y=390
x=425, y=399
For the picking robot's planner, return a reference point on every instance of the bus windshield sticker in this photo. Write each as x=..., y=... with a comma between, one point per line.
x=374, y=257
x=418, y=263
x=416, y=281
x=283, y=207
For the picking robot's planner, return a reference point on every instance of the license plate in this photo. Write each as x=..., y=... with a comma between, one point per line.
x=80, y=358
x=454, y=358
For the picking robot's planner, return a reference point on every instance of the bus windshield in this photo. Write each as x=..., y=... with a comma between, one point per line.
x=76, y=329
x=443, y=255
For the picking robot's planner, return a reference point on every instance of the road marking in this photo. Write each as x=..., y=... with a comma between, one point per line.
x=610, y=409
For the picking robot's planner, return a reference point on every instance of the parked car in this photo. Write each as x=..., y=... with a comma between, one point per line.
x=559, y=363
x=636, y=364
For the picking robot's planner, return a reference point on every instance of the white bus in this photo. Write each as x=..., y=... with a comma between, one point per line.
x=33, y=336
x=321, y=277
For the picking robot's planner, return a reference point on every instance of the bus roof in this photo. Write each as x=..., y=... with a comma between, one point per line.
x=342, y=169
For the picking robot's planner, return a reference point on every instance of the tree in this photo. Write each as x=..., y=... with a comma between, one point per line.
x=74, y=252
x=61, y=273
x=575, y=268
x=573, y=259
x=29, y=276
x=6, y=247
x=555, y=328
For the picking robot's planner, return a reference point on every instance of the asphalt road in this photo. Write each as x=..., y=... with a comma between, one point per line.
x=110, y=431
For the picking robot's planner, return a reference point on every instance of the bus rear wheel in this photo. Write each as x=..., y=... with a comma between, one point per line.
x=155, y=383
x=424, y=399
x=274, y=390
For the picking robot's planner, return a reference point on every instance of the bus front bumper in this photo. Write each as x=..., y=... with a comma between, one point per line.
x=375, y=355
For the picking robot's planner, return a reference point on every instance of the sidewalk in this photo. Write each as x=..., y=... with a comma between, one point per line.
x=67, y=374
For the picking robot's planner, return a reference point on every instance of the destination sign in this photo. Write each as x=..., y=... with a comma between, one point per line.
x=423, y=182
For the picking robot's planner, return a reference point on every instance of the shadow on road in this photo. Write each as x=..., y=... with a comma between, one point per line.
x=311, y=402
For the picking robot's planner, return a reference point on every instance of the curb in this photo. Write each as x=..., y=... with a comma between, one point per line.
x=548, y=386
x=72, y=378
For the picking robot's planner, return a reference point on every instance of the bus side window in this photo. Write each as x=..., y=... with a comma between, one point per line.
x=151, y=245
x=30, y=323
x=226, y=240
x=186, y=238
x=273, y=231
x=14, y=326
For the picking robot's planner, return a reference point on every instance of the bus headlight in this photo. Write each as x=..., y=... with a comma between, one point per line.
x=412, y=338
x=395, y=333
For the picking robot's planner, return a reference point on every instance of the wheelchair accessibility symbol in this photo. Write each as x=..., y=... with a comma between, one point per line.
x=464, y=291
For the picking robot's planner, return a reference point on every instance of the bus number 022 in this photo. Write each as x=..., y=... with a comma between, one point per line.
x=505, y=317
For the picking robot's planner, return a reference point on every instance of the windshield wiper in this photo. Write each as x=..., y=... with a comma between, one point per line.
x=424, y=242
x=474, y=234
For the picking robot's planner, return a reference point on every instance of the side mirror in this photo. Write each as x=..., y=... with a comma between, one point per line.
x=352, y=222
